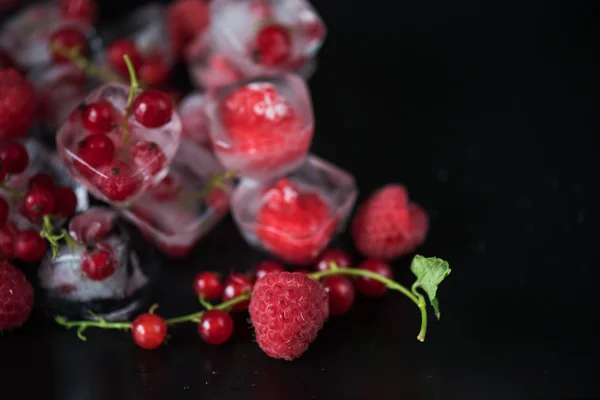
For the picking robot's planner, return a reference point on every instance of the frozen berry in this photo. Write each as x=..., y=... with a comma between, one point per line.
x=341, y=294
x=85, y=11
x=120, y=48
x=339, y=257
x=368, y=286
x=30, y=246
x=98, y=117
x=208, y=285
x=14, y=157
x=273, y=45
x=99, y=262
x=149, y=331
x=152, y=108
x=266, y=267
x=148, y=156
x=8, y=233
x=287, y=311
x=38, y=201
x=17, y=104
x=154, y=70
x=41, y=180
x=68, y=38
x=16, y=297
x=186, y=20
x=118, y=182
x=65, y=201
x=4, y=211
x=95, y=151
x=236, y=285
x=168, y=188
x=215, y=326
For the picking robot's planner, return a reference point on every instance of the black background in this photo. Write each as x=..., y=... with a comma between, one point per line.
x=484, y=111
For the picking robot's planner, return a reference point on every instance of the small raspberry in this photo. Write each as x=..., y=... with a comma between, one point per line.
x=287, y=310
x=16, y=297
x=388, y=226
x=17, y=104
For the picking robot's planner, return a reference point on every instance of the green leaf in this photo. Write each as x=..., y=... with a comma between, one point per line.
x=430, y=272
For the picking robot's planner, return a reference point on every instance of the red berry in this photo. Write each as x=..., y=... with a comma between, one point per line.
x=14, y=157
x=38, y=201
x=152, y=108
x=8, y=233
x=273, y=45
x=98, y=117
x=99, y=262
x=208, y=285
x=118, y=182
x=149, y=331
x=341, y=294
x=215, y=326
x=287, y=311
x=168, y=188
x=154, y=71
x=41, y=180
x=65, y=201
x=336, y=256
x=115, y=53
x=236, y=285
x=266, y=267
x=148, y=156
x=218, y=200
x=16, y=297
x=387, y=225
x=68, y=38
x=186, y=20
x=370, y=287
x=30, y=246
x=6, y=61
x=85, y=11
x=17, y=104
x=96, y=151
x=4, y=211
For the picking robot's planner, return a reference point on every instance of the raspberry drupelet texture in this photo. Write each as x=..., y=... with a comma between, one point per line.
x=16, y=297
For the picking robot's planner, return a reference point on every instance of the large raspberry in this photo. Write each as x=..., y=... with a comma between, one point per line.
x=287, y=311
x=388, y=226
x=186, y=19
x=17, y=104
x=294, y=225
x=16, y=297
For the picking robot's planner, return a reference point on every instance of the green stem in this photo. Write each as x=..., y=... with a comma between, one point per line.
x=11, y=191
x=81, y=62
x=195, y=317
x=134, y=86
x=83, y=325
x=54, y=239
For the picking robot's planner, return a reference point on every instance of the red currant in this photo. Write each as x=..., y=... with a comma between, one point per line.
x=30, y=246
x=215, y=326
x=236, y=285
x=79, y=10
x=266, y=267
x=274, y=45
x=118, y=182
x=120, y=48
x=99, y=262
x=337, y=256
x=6, y=60
x=98, y=117
x=370, y=287
x=152, y=108
x=148, y=156
x=41, y=180
x=208, y=285
x=154, y=71
x=65, y=201
x=38, y=201
x=96, y=151
x=8, y=232
x=14, y=157
x=341, y=294
x=149, y=331
x=4, y=211
x=68, y=38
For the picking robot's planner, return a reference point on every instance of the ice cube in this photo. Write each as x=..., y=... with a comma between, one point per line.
x=194, y=123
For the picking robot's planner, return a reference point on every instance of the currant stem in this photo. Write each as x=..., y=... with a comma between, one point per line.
x=216, y=182
x=84, y=64
x=134, y=86
x=47, y=233
x=195, y=317
x=83, y=325
x=205, y=303
x=11, y=191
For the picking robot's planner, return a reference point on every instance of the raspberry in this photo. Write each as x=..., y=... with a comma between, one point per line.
x=287, y=311
x=388, y=226
x=186, y=19
x=16, y=297
x=294, y=226
x=17, y=104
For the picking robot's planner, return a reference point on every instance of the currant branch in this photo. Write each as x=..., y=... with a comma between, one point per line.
x=53, y=238
x=134, y=86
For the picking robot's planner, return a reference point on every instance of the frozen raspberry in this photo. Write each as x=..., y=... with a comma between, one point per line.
x=287, y=311
x=16, y=297
x=186, y=20
x=148, y=156
x=115, y=53
x=218, y=72
x=273, y=45
x=85, y=11
x=117, y=181
x=388, y=226
x=17, y=104
x=294, y=225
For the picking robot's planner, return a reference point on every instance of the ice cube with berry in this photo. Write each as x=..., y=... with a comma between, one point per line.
x=295, y=217
x=178, y=211
x=194, y=123
x=261, y=128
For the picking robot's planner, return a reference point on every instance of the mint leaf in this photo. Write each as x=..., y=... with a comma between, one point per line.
x=430, y=272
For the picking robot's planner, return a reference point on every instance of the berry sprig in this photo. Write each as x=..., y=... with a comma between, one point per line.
x=134, y=87
x=53, y=238
x=74, y=55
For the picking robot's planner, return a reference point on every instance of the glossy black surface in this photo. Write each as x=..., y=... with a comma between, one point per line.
x=484, y=111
